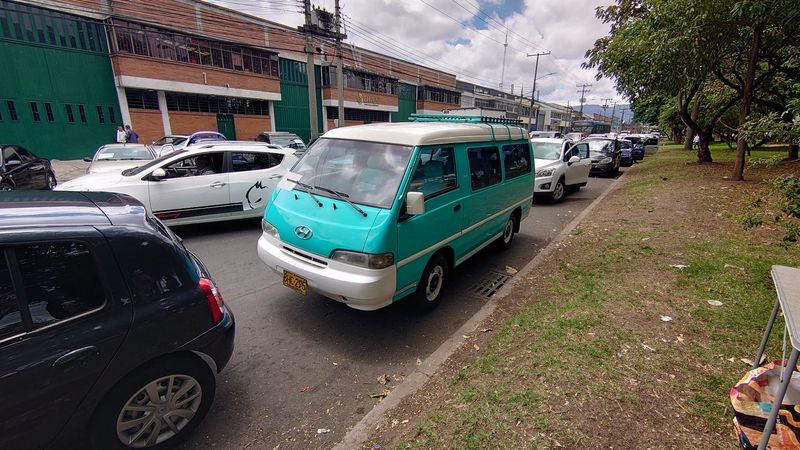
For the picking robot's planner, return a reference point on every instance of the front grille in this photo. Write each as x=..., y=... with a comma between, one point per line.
x=305, y=257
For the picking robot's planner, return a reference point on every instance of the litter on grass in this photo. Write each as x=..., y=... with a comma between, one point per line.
x=323, y=430
x=383, y=378
x=666, y=319
x=304, y=389
x=679, y=266
x=511, y=270
x=715, y=303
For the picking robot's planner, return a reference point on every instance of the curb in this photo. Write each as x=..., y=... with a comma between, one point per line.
x=414, y=381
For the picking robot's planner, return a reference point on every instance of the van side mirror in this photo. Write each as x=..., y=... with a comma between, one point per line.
x=158, y=174
x=415, y=203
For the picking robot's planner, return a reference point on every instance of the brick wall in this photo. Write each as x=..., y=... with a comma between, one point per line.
x=139, y=66
x=147, y=124
x=435, y=106
x=248, y=127
x=360, y=97
x=347, y=123
x=189, y=122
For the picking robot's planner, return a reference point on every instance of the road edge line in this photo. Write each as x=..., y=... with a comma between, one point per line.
x=358, y=435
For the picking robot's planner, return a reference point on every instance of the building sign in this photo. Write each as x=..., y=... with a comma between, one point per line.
x=368, y=99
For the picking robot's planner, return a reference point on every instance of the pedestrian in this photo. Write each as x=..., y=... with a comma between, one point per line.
x=122, y=137
x=697, y=139
x=132, y=137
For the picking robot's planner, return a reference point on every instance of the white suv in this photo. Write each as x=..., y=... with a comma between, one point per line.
x=560, y=165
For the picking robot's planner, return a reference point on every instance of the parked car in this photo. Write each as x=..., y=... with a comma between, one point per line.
x=574, y=136
x=170, y=139
x=651, y=145
x=193, y=139
x=626, y=152
x=282, y=138
x=375, y=213
x=22, y=170
x=637, y=147
x=117, y=157
x=111, y=332
x=605, y=155
x=560, y=166
x=204, y=183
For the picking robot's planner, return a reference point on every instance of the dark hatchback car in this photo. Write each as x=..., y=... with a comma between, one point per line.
x=111, y=332
x=605, y=154
x=22, y=170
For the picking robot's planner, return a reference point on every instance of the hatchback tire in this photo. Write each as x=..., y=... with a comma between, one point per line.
x=155, y=407
x=431, y=284
x=558, y=191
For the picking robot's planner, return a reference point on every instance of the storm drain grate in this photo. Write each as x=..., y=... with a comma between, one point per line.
x=489, y=284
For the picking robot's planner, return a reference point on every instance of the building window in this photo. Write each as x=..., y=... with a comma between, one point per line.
x=141, y=99
x=35, y=112
x=48, y=109
x=100, y=115
x=361, y=115
x=137, y=39
x=70, y=116
x=12, y=110
x=111, y=116
x=47, y=27
x=214, y=104
x=361, y=81
x=82, y=112
x=452, y=97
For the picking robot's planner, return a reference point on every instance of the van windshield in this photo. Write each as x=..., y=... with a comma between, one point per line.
x=368, y=173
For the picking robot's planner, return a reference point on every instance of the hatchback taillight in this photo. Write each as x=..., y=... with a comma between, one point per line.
x=214, y=299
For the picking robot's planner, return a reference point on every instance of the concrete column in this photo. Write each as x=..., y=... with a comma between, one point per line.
x=272, y=116
x=162, y=106
x=123, y=105
x=325, y=119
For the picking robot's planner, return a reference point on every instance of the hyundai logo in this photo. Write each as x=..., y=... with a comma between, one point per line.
x=303, y=232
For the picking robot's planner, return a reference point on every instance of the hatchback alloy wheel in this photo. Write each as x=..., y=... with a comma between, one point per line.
x=159, y=411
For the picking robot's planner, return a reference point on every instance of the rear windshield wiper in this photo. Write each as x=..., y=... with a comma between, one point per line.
x=308, y=189
x=343, y=196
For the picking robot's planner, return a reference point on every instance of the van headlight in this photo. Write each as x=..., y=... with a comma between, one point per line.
x=545, y=172
x=267, y=228
x=606, y=160
x=365, y=260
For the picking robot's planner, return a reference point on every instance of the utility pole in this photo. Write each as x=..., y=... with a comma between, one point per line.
x=613, y=111
x=533, y=91
x=339, y=69
x=622, y=120
x=503, y=70
x=312, y=82
x=584, y=89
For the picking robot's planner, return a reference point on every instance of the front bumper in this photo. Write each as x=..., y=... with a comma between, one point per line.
x=544, y=185
x=602, y=168
x=359, y=288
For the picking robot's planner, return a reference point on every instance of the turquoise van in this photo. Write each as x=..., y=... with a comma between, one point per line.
x=374, y=213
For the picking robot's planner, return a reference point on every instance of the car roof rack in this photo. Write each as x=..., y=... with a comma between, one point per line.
x=462, y=119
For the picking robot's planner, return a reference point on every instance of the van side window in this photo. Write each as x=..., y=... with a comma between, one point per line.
x=517, y=160
x=60, y=280
x=484, y=167
x=10, y=317
x=436, y=171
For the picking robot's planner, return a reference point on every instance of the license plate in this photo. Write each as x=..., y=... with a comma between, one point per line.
x=295, y=282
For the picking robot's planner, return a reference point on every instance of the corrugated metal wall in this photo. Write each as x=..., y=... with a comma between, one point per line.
x=57, y=95
x=291, y=113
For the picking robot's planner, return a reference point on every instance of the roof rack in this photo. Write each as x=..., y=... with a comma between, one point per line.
x=462, y=119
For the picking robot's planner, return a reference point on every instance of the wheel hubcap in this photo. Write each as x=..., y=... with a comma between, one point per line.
x=558, y=191
x=434, y=285
x=159, y=411
x=509, y=231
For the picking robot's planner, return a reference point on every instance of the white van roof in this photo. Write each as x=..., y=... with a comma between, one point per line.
x=428, y=133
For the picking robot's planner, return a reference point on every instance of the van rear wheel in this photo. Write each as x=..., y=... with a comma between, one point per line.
x=505, y=240
x=432, y=282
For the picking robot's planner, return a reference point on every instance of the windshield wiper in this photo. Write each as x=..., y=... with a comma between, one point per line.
x=342, y=196
x=308, y=188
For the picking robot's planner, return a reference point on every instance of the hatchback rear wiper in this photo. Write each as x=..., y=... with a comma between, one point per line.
x=308, y=189
x=343, y=196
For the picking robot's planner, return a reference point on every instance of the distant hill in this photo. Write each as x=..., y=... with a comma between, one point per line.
x=588, y=110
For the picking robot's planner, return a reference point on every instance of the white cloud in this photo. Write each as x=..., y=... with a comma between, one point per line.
x=567, y=28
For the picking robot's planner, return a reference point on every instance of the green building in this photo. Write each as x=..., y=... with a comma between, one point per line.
x=57, y=94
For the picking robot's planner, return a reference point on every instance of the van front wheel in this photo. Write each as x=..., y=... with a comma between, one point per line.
x=431, y=285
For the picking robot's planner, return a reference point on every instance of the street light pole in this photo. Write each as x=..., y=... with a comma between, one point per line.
x=533, y=91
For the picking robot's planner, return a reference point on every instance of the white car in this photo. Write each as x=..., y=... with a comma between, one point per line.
x=117, y=157
x=179, y=142
x=560, y=165
x=205, y=183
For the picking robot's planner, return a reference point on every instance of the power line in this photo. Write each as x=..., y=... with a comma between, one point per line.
x=502, y=25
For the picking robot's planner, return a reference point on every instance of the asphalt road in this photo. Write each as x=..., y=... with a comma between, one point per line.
x=304, y=364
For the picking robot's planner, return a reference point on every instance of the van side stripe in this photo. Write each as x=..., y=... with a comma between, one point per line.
x=459, y=234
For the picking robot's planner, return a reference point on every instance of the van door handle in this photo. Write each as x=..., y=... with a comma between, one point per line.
x=217, y=184
x=75, y=355
x=457, y=208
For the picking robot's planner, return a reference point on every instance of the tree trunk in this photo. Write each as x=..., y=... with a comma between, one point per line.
x=703, y=152
x=689, y=142
x=747, y=101
x=691, y=132
x=793, y=152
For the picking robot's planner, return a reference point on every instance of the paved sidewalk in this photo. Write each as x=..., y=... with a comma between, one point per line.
x=67, y=170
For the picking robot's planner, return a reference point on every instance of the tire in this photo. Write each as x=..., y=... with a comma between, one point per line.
x=50, y=180
x=190, y=373
x=432, y=283
x=558, y=191
x=505, y=240
x=6, y=186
